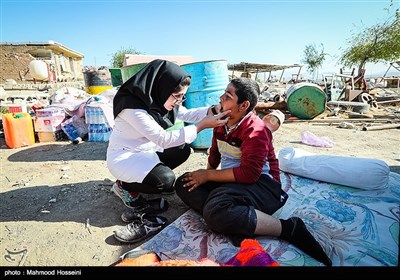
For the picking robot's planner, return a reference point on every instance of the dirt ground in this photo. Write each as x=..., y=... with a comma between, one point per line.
x=57, y=208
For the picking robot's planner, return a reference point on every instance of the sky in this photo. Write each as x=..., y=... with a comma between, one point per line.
x=264, y=31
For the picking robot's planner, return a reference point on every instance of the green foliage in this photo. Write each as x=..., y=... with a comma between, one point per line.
x=117, y=60
x=378, y=43
x=313, y=58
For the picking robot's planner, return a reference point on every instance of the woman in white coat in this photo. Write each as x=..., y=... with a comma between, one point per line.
x=142, y=152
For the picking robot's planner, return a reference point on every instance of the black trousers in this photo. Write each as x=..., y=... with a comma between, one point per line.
x=229, y=208
x=161, y=178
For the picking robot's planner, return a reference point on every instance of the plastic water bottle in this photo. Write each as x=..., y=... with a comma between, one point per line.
x=100, y=133
x=92, y=132
x=96, y=133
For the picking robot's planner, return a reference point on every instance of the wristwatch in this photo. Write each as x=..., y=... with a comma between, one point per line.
x=213, y=110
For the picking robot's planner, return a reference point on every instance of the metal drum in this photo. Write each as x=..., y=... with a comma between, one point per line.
x=306, y=100
x=209, y=81
x=97, y=81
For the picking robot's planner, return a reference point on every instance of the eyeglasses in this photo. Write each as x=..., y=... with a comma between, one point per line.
x=179, y=100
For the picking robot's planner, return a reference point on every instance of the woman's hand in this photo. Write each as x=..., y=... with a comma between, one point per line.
x=195, y=179
x=211, y=121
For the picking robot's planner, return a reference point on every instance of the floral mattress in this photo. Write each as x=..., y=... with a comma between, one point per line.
x=356, y=227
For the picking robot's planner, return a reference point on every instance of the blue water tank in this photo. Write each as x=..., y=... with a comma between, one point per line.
x=209, y=81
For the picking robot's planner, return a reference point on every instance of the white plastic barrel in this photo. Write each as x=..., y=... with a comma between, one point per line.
x=38, y=70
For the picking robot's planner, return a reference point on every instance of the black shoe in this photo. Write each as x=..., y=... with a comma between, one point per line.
x=151, y=206
x=140, y=229
x=129, y=216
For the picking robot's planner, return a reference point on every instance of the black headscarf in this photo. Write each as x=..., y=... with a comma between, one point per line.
x=149, y=88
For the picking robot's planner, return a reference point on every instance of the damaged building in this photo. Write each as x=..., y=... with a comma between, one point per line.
x=41, y=66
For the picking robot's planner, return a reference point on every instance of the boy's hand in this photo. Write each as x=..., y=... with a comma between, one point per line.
x=195, y=178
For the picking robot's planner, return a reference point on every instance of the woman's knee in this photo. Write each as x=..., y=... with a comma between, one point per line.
x=168, y=180
x=162, y=177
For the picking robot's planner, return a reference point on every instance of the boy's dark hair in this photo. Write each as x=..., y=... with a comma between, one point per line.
x=246, y=89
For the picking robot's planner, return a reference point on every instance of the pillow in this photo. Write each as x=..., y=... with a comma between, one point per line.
x=362, y=173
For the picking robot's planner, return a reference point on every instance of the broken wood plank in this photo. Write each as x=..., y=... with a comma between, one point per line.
x=381, y=127
x=388, y=101
x=344, y=120
x=271, y=105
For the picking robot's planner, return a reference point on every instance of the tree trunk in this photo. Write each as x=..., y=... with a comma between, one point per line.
x=362, y=65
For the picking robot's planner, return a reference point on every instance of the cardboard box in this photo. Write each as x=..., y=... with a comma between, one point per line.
x=351, y=94
x=51, y=136
x=48, y=124
x=50, y=112
x=46, y=137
